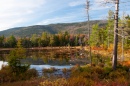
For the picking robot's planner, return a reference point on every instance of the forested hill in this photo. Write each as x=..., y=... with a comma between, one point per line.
x=75, y=28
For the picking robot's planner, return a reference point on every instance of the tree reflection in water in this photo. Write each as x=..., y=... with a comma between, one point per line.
x=57, y=57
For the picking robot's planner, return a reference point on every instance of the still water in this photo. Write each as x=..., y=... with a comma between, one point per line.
x=47, y=58
x=56, y=57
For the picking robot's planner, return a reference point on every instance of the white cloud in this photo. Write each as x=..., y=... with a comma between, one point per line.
x=56, y=20
x=11, y=23
x=100, y=5
x=17, y=13
x=14, y=12
x=76, y=3
x=104, y=1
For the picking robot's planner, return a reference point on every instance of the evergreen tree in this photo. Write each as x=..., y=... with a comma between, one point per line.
x=11, y=41
x=110, y=28
x=44, y=39
x=94, y=37
x=2, y=38
x=52, y=41
x=34, y=40
x=14, y=59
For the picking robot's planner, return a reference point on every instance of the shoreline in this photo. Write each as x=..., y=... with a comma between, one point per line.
x=42, y=48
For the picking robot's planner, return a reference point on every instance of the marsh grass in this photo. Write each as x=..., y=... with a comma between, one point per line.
x=6, y=75
x=93, y=76
x=79, y=76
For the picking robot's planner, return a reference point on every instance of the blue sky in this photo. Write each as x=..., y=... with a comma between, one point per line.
x=19, y=13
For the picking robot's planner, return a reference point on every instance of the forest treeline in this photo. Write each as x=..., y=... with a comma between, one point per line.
x=46, y=39
x=100, y=36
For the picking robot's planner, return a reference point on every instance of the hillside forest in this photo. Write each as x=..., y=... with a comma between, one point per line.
x=100, y=36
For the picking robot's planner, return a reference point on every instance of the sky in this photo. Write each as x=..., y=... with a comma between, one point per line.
x=20, y=13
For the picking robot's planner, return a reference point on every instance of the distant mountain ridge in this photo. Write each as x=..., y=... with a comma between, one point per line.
x=73, y=28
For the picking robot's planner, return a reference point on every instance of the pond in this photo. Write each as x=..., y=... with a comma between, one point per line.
x=47, y=58
x=57, y=58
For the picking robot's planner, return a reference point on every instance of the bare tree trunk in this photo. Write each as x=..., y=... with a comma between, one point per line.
x=114, y=64
x=89, y=31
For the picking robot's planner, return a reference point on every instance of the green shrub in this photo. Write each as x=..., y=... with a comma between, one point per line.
x=80, y=81
x=50, y=70
x=57, y=82
x=31, y=73
x=65, y=70
x=114, y=75
x=6, y=75
x=14, y=60
x=101, y=64
x=107, y=70
x=98, y=70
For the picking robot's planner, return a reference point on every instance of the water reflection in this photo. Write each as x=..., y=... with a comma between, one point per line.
x=56, y=57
